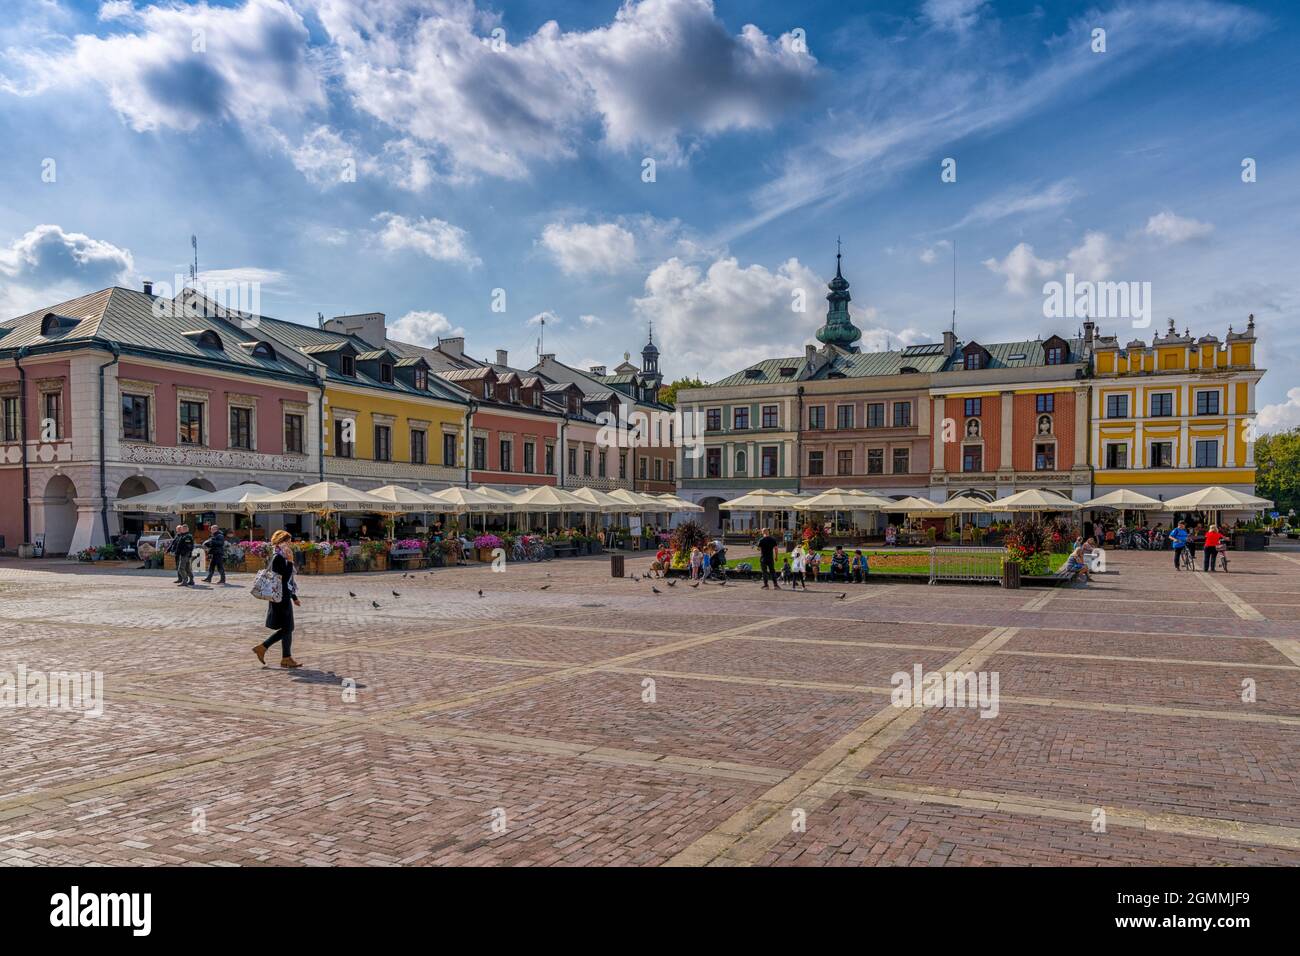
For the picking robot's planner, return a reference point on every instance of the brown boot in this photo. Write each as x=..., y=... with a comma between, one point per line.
x=289, y=662
x=260, y=651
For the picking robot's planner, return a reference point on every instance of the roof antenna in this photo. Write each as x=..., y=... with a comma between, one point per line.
x=320, y=320
x=541, y=336
x=954, y=287
x=194, y=267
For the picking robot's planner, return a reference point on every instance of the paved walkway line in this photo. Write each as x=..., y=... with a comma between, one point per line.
x=748, y=834
x=1234, y=601
x=1211, y=828
x=1290, y=649
x=1285, y=557
x=1040, y=601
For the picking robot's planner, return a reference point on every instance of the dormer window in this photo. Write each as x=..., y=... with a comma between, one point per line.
x=974, y=360
x=487, y=389
x=259, y=349
x=54, y=324
x=204, y=338
x=537, y=397
x=1055, y=355
x=347, y=366
x=386, y=373
x=514, y=394
x=421, y=379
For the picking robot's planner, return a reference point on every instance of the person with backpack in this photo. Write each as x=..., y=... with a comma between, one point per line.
x=279, y=613
x=215, y=546
x=183, y=549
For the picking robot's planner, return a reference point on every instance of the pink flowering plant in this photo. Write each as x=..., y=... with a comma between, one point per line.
x=409, y=544
x=487, y=541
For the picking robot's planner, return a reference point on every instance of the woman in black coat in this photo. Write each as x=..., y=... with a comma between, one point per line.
x=279, y=614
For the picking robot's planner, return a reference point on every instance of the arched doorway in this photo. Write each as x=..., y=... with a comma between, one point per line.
x=132, y=522
x=712, y=517
x=60, y=510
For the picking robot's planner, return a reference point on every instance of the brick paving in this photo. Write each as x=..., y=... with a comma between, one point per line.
x=567, y=718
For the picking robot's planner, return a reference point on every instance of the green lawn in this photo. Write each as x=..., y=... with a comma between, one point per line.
x=910, y=561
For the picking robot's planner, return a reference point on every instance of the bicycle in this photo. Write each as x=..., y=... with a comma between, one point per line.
x=1186, y=560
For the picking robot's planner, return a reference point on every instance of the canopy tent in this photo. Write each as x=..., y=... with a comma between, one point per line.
x=495, y=495
x=961, y=504
x=171, y=500
x=1216, y=498
x=637, y=501
x=239, y=499
x=840, y=499
x=548, y=500
x=1124, y=500
x=1034, y=499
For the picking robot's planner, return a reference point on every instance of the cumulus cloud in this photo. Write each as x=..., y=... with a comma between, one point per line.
x=179, y=67
x=1280, y=416
x=547, y=316
x=447, y=75
x=727, y=316
x=1093, y=258
x=1022, y=269
x=422, y=328
x=48, y=264
x=48, y=254
x=1171, y=229
x=433, y=237
x=583, y=248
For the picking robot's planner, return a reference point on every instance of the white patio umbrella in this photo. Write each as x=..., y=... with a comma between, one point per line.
x=836, y=500
x=469, y=500
x=1034, y=499
x=239, y=499
x=548, y=500
x=679, y=504
x=1217, y=498
x=408, y=500
x=163, y=501
x=911, y=505
x=968, y=503
x=323, y=496
x=608, y=504
x=1124, y=500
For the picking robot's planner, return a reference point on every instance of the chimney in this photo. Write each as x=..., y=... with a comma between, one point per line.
x=546, y=357
x=502, y=357
x=367, y=326
x=597, y=370
x=810, y=354
x=454, y=346
x=949, y=342
x=148, y=287
x=1089, y=334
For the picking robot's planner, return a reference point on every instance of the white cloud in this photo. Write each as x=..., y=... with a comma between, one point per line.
x=1281, y=416
x=956, y=15
x=435, y=238
x=1016, y=202
x=547, y=316
x=583, y=248
x=48, y=265
x=1093, y=259
x=1022, y=269
x=115, y=9
x=1171, y=229
x=262, y=277
x=48, y=254
x=661, y=71
x=184, y=66
x=422, y=328
x=930, y=254
x=590, y=320
x=727, y=316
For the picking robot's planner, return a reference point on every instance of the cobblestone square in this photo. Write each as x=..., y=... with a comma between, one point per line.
x=564, y=717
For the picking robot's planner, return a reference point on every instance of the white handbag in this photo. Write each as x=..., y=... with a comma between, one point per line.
x=268, y=586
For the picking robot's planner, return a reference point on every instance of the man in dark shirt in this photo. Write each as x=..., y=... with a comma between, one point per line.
x=216, y=548
x=767, y=558
x=183, y=548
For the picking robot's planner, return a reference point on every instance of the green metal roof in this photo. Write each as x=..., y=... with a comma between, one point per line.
x=139, y=324
x=1027, y=354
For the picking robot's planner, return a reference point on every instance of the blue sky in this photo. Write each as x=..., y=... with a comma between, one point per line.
x=502, y=146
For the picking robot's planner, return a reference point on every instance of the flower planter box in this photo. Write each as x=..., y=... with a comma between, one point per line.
x=379, y=562
x=410, y=563
x=253, y=563
x=328, y=564
x=484, y=554
x=169, y=562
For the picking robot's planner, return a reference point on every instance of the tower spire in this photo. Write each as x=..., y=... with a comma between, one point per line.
x=839, y=328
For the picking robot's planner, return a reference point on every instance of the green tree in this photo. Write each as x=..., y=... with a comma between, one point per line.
x=1277, y=469
x=668, y=393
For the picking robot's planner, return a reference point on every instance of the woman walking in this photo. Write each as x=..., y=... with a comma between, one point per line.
x=279, y=614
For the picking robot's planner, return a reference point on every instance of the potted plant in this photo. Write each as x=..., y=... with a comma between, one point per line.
x=375, y=554
x=484, y=545
x=410, y=562
x=331, y=557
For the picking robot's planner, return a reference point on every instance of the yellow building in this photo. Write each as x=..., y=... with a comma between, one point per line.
x=387, y=419
x=1176, y=415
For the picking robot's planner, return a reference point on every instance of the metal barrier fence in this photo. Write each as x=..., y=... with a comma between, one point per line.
x=966, y=564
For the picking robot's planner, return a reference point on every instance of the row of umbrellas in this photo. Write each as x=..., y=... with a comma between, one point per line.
x=330, y=496
x=1034, y=499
